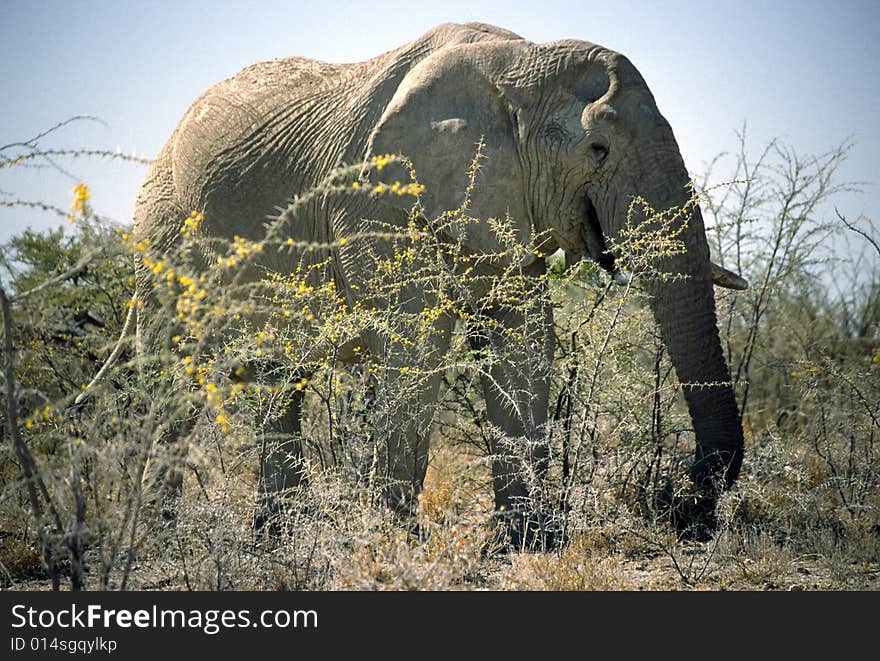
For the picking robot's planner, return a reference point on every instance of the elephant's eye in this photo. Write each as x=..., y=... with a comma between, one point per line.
x=599, y=150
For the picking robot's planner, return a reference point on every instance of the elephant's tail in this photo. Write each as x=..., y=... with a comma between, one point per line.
x=114, y=355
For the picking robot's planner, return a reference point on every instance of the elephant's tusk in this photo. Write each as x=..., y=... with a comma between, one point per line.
x=728, y=279
x=126, y=328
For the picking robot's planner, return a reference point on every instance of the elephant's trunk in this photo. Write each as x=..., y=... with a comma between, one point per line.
x=685, y=313
x=684, y=308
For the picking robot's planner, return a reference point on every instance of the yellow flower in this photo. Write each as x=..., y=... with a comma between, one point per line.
x=381, y=161
x=191, y=224
x=80, y=195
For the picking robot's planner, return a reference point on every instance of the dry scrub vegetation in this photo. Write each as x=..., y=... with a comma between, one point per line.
x=803, y=344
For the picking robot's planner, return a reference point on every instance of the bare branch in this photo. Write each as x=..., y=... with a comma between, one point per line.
x=32, y=142
x=75, y=270
x=858, y=231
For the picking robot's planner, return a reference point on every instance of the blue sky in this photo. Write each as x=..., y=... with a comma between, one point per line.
x=808, y=72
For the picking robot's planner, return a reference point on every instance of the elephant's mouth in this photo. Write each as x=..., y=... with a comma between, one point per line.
x=594, y=237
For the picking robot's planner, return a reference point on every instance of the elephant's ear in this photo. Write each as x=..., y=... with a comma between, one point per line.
x=442, y=111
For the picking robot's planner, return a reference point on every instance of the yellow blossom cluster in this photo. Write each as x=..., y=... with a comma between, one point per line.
x=79, y=206
x=382, y=160
x=190, y=291
x=156, y=266
x=42, y=415
x=189, y=302
x=214, y=402
x=400, y=189
x=241, y=249
x=191, y=224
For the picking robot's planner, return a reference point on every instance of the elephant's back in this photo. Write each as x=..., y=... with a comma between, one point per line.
x=242, y=149
x=282, y=78
x=276, y=128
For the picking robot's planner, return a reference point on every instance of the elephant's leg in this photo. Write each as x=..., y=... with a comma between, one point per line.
x=407, y=382
x=517, y=393
x=408, y=445
x=168, y=446
x=163, y=474
x=282, y=464
x=402, y=415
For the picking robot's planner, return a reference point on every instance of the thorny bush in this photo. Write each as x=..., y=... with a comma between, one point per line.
x=804, y=355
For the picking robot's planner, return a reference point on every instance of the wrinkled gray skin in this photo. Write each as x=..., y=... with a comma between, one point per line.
x=572, y=133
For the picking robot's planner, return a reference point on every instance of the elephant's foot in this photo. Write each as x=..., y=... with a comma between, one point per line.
x=528, y=531
x=402, y=500
x=160, y=506
x=418, y=533
x=267, y=516
x=278, y=513
x=691, y=514
x=169, y=509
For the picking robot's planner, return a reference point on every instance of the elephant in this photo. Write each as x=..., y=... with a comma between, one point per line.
x=571, y=133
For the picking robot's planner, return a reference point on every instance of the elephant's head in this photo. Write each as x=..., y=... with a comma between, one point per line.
x=572, y=134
